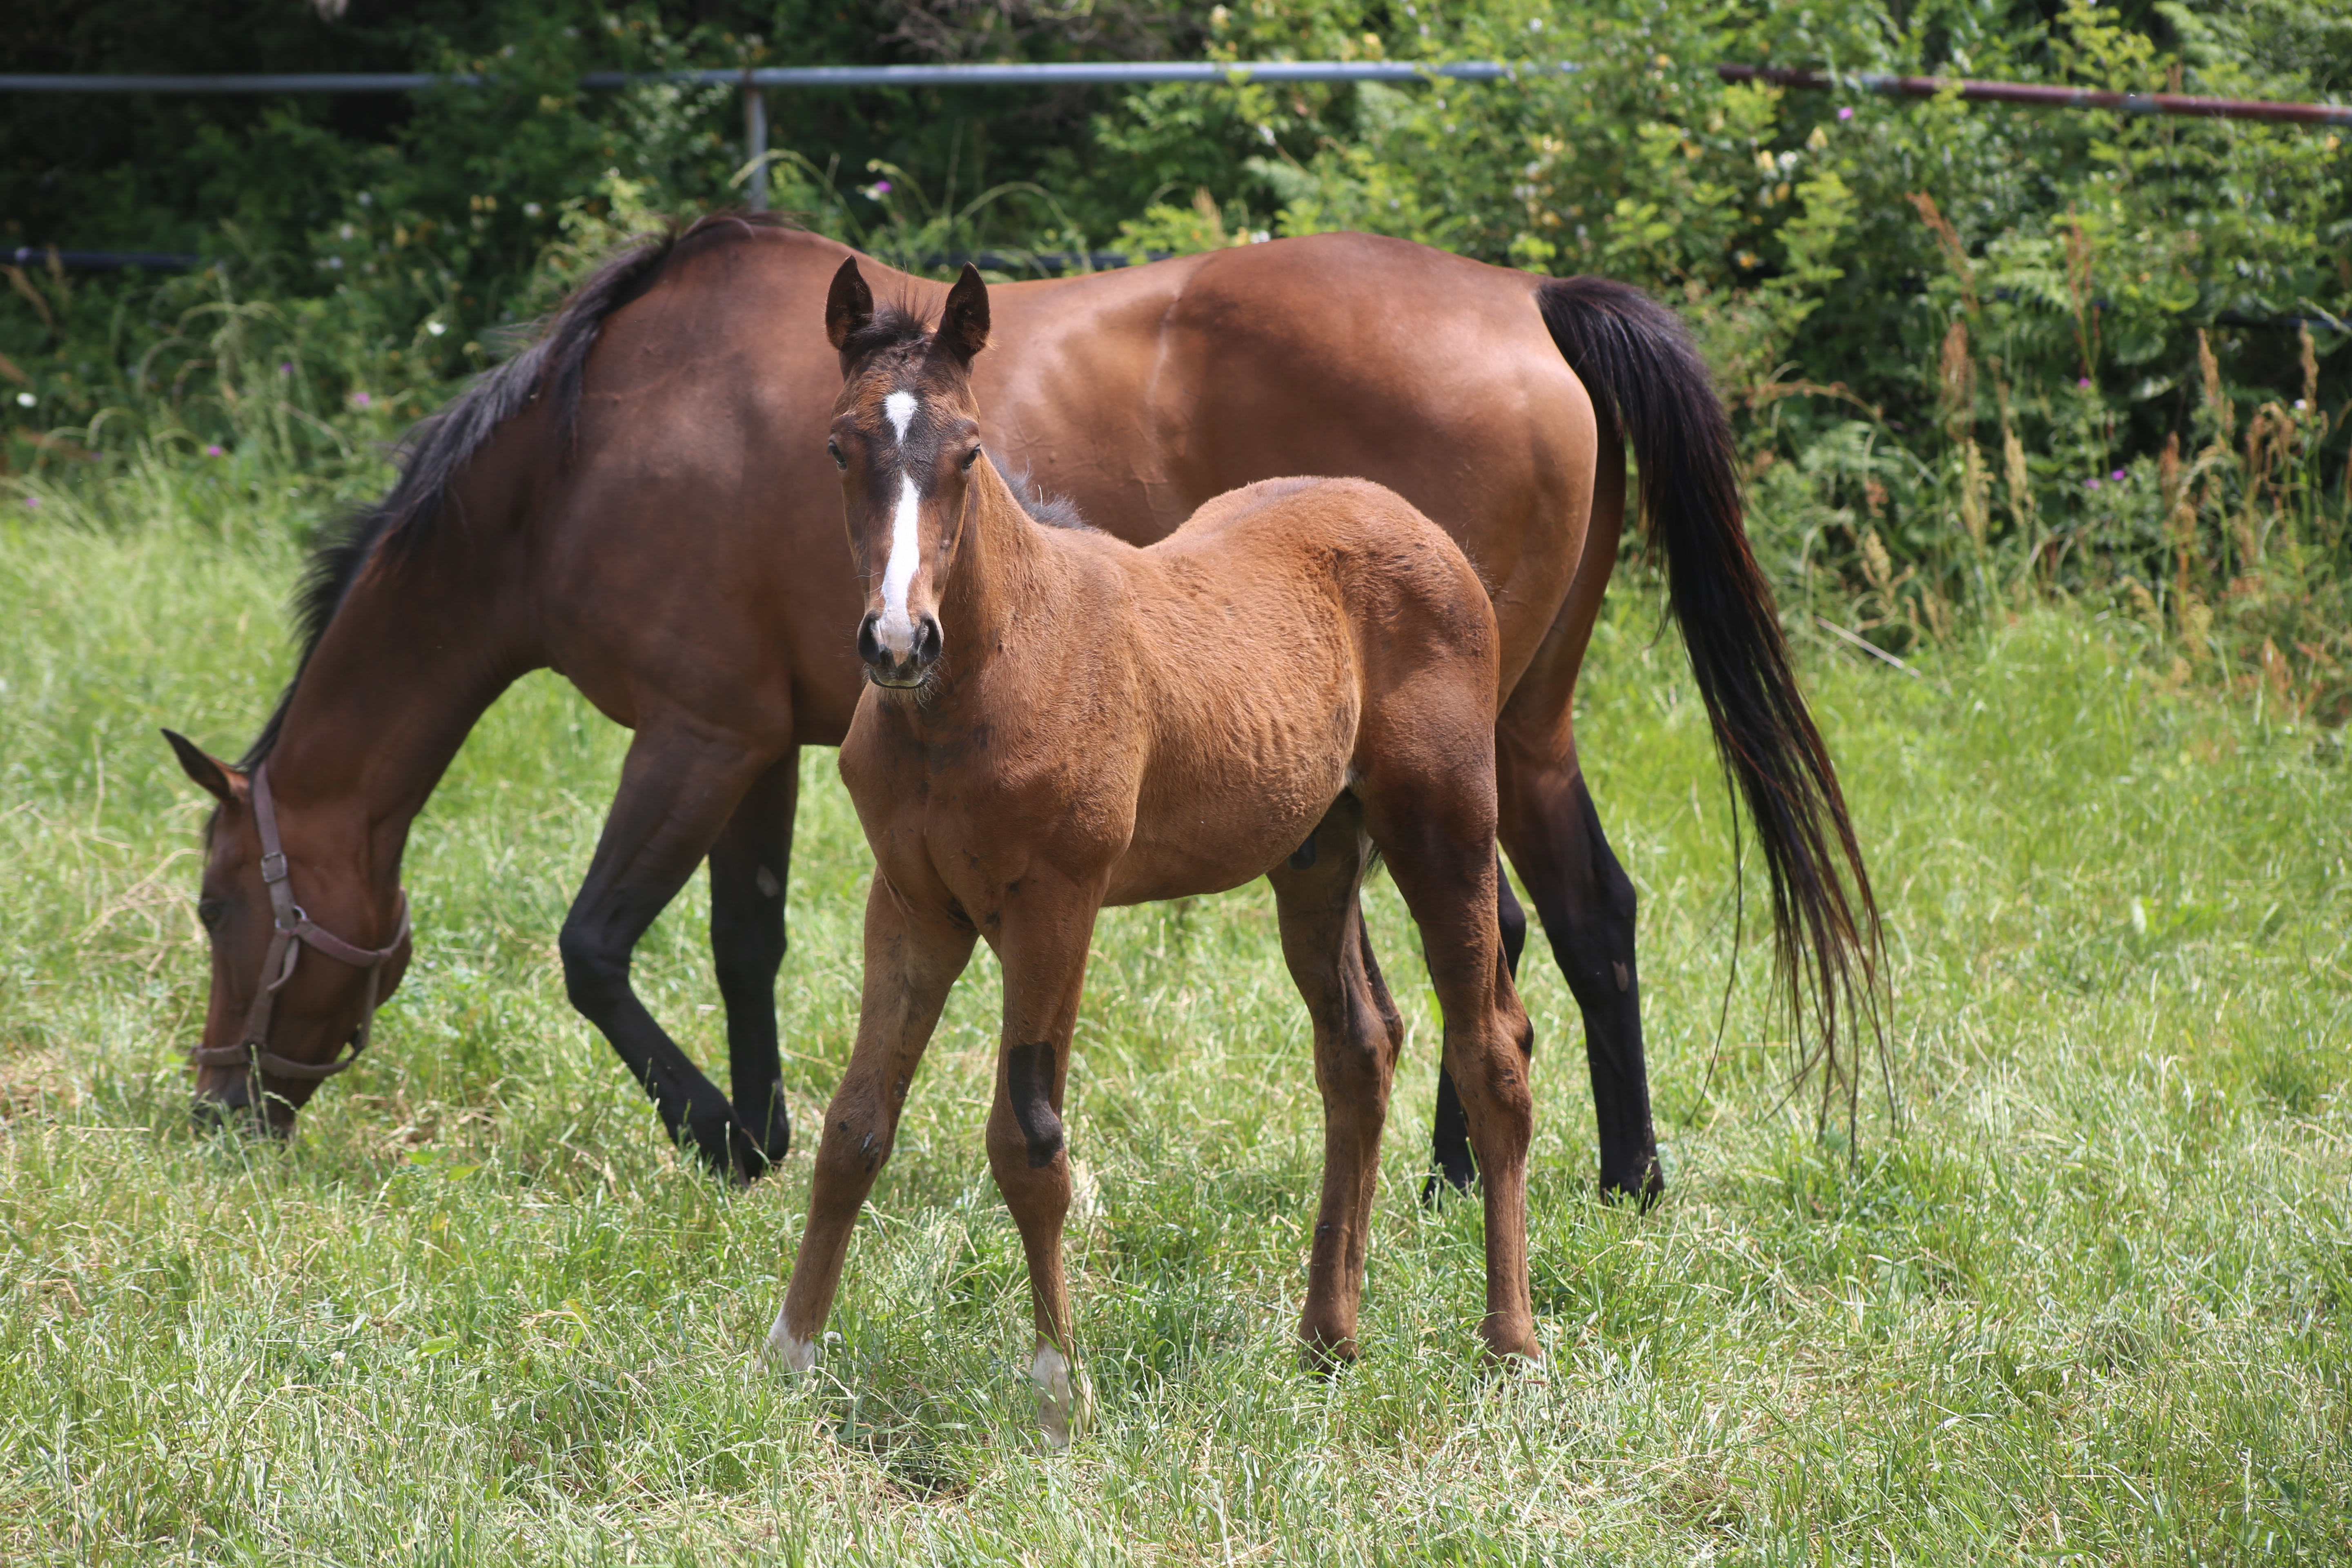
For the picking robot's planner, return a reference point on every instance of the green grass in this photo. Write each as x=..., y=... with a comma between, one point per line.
x=2091, y=1302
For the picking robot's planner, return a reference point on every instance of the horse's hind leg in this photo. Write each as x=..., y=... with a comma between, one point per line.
x=1430, y=806
x=1356, y=1036
x=677, y=790
x=1449, y=1133
x=1587, y=904
x=748, y=867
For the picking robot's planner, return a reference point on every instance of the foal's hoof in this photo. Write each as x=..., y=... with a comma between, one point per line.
x=1062, y=1396
x=785, y=1351
x=1327, y=1358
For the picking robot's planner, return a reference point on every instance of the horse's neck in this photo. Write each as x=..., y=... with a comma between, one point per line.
x=415, y=653
x=1004, y=579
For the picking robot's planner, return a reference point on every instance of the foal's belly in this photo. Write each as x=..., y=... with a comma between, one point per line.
x=1204, y=826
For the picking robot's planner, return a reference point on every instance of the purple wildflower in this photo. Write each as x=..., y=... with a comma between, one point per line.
x=287, y=369
x=2090, y=484
x=1846, y=114
x=2083, y=383
x=361, y=400
x=2118, y=475
x=33, y=503
x=213, y=451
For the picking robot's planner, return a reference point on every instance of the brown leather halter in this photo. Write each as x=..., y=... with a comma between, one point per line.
x=293, y=928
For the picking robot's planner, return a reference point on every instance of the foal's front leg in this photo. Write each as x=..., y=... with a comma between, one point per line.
x=1043, y=948
x=912, y=958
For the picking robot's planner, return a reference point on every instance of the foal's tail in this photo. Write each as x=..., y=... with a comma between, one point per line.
x=1649, y=385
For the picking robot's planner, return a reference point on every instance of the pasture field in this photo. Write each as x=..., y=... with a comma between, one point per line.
x=2090, y=1302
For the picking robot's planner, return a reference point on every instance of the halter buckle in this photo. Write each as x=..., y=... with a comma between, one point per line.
x=273, y=867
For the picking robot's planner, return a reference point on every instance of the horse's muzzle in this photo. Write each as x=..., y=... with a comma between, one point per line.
x=889, y=667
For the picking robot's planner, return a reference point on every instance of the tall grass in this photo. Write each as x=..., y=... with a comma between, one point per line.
x=2091, y=1302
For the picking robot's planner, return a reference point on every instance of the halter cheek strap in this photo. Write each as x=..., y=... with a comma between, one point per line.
x=293, y=929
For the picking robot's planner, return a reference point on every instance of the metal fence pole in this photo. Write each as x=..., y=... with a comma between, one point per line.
x=755, y=146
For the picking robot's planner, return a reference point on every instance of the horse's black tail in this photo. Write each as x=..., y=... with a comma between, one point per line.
x=1649, y=385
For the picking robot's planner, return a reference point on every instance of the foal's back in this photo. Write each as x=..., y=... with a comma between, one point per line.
x=1287, y=630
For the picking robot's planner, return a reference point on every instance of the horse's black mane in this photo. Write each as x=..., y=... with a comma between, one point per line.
x=1054, y=511
x=438, y=447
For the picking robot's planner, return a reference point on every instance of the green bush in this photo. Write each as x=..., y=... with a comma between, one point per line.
x=1976, y=351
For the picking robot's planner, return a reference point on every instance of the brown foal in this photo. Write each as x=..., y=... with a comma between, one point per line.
x=1303, y=673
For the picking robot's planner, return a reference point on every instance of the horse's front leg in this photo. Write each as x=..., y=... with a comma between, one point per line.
x=678, y=788
x=1042, y=945
x=912, y=958
x=749, y=865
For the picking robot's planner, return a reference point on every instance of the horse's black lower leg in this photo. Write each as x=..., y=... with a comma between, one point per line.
x=1587, y=904
x=748, y=867
x=1449, y=1138
x=676, y=793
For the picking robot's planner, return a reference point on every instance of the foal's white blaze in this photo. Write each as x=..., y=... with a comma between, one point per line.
x=1051, y=1372
x=900, y=407
x=897, y=630
x=788, y=1350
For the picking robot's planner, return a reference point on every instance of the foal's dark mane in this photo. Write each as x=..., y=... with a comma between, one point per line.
x=438, y=447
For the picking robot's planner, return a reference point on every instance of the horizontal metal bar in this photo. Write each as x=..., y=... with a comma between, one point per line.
x=397, y=81
x=100, y=260
x=1083, y=73
x=2050, y=97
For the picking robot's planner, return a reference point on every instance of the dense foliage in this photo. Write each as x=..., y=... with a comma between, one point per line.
x=1976, y=350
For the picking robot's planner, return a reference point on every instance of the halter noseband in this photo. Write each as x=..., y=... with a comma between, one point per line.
x=292, y=929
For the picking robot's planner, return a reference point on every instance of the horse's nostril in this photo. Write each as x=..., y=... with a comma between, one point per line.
x=929, y=639
x=870, y=646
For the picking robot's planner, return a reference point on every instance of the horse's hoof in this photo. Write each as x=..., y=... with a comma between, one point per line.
x=1644, y=1191
x=1061, y=1396
x=1453, y=1181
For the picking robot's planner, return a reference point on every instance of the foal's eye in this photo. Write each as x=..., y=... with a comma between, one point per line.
x=210, y=911
x=969, y=459
x=833, y=449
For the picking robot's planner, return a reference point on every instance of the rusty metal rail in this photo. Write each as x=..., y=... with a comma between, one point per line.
x=2037, y=97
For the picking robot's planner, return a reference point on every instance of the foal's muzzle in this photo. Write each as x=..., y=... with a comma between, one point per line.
x=885, y=666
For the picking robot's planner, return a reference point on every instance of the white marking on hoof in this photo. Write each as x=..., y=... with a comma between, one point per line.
x=1051, y=1372
x=900, y=407
x=789, y=1351
x=897, y=630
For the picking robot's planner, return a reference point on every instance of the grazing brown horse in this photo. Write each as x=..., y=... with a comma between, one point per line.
x=1302, y=674
x=640, y=500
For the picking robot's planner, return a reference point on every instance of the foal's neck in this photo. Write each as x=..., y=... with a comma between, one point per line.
x=1001, y=584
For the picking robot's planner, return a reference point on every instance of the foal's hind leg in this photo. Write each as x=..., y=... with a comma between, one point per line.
x=749, y=865
x=1449, y=1133
x=1430, y=807
x=1357, y=1036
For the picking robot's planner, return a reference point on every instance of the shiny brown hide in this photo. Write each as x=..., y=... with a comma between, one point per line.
x=675, y=548
x=1304, y=660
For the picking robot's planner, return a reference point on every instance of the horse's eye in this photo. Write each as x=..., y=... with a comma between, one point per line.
x=970, y=458
x=834, y=448
x=210, y=911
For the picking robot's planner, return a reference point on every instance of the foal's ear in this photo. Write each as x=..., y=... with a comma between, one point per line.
x=963, y=325
x=848, y=305
x=211, y=775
